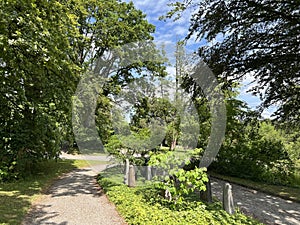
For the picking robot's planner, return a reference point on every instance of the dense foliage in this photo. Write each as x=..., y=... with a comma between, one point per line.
x=254, y=37
x=256, y=156
x=45, y=48
x=173, y=178
x=253, y=148
x=37, y=79
x=144, y=205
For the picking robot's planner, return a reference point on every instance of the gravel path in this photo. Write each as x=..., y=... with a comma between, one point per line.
x=266, y=208
x=75, y=199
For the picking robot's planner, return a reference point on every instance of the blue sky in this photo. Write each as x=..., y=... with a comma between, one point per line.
x=170, y=32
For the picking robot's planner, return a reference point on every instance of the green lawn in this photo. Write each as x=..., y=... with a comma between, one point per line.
x=17, y=197
x=290, y=193
x=296, y=180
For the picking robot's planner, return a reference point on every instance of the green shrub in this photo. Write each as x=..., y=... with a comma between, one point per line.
x=143, y=205
x=178, y=182
x=7, y=172
x=181, y=182
x=263, y=156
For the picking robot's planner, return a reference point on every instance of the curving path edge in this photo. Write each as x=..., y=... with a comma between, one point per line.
x=75, y=199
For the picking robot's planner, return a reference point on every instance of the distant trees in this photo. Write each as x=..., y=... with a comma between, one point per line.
x=159, y=114
x=252, y=148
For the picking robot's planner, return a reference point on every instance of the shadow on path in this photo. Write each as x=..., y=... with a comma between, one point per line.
x=266, y=208
x=76, y=198
x=79, y=182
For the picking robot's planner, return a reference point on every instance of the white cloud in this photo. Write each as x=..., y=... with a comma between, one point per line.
x=171, y=70
x=150, y=7
x=268, y=113
x=180, y=31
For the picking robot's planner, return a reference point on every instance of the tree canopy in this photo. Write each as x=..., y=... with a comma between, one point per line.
x=261, y=38
x=45, y=48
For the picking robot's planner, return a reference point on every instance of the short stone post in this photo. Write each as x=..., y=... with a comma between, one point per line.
x=154, y=171
x=228, y=204
x=168, y=195
x=131, y=179
x=149, y=173
x=126, y=175
x=206, y=196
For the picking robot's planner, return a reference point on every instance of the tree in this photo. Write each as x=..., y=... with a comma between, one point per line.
x=116, y=50
x=254, y=37
x=147, y=115
x=37, y=79
x=45, y=48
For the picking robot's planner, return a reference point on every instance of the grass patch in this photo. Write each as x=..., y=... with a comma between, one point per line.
x=17, y=197
x=296, y=175
x=115, y=174
x=289, y=193
x=296, y=178
x=95, y=162
x=97, y=154
x=143, y=205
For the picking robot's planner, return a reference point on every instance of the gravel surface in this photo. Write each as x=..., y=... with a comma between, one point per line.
x=266, y=208
x=75, y=199
x=86, y=157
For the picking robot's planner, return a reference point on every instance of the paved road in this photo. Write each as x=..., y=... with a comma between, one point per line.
x=266, y=208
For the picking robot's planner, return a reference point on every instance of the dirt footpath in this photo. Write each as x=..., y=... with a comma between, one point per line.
x=75, y=199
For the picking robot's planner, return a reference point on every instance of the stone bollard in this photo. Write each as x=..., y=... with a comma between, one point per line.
x=228, y=204
x=154, y=171
x=206, y=196
x=131, y=177
x=149, y=173
x=126, y=175
x=168, y=195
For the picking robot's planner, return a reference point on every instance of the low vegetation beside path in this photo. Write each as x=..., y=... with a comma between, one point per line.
x=144, y=205
x=17, y=197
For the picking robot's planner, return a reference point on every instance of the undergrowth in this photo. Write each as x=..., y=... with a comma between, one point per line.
x=144, y=205
x=16, y=197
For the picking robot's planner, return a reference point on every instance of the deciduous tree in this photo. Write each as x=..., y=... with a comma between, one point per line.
x=257, y=37
x=45, y=47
